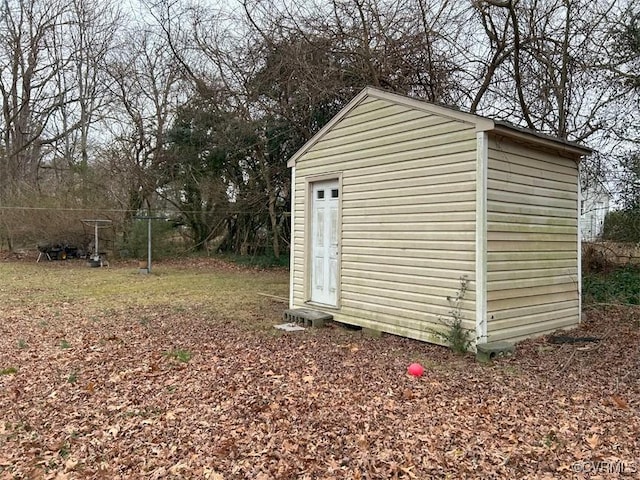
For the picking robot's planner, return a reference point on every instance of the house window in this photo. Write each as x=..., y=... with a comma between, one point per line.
x=320, y=194
x=334, y=193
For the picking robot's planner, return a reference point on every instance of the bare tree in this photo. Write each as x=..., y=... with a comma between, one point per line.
x=91, y=34
x=29, y=94
x=289, y=69
x=541, y=67
x=145, y=90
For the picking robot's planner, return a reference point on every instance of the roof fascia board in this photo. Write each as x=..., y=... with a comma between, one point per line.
x=339, y=116
x=482, y=124
x=540, y=139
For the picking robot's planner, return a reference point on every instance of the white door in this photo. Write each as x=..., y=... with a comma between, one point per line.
x=324, y=248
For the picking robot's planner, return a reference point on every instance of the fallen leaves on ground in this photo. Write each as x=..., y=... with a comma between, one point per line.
x=321, y=404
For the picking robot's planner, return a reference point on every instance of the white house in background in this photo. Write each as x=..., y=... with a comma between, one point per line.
x=595, y=206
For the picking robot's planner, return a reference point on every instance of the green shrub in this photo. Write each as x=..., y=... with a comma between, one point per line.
x=622, y=226
x=162, y=235
x=619, y=286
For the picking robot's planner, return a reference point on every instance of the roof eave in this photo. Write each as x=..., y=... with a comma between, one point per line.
x=531, y=137
x=482, y=124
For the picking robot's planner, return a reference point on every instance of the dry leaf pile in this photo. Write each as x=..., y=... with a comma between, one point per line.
x=113, y=397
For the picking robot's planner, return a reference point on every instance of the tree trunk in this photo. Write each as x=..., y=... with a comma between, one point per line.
x=275, y=228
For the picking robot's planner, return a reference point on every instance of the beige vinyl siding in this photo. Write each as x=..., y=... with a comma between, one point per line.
x=532, y=274
x=408, y=216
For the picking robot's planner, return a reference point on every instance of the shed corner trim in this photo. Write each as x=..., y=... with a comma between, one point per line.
x=482, y=168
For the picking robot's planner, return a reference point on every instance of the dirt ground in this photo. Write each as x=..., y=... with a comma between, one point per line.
x=109, y=374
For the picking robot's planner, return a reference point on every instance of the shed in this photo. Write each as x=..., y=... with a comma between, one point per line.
x=396, y=200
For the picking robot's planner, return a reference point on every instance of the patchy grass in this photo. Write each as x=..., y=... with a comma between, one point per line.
x=213, y=287
x=331, y=403
x=179, y=355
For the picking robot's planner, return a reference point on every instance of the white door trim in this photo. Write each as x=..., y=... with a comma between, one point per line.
x=325, y=242
x=292, y=243
x=310, y=181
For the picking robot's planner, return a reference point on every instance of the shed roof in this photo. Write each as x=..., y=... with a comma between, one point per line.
x=482, y=124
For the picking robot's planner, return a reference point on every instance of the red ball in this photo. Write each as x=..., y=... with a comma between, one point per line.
x=415, y=369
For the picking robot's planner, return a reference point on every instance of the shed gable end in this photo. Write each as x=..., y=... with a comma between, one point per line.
x=407, y=215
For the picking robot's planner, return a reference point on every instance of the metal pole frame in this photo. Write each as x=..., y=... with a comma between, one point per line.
x=148, y=218
x=149, y=245
x=97, y=224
